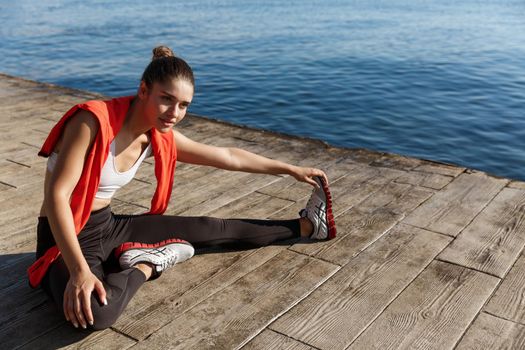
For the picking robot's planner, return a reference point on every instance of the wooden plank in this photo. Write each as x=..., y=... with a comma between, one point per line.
x=365, y=222
x=202, y=201
x=434, y=181
x=508, y=301
x=157, y=304
x=517, y=184
x=290, y=189
x=13, y=268
x=363, y=156
x=234, y=316
x=27, y=321
x=442, y=169
x=489, y=332
x=394, y=161
x=433, y=312
x=258, y=204
x=361, y=290
x=370, y=220
x=66, y=337
x=349, y=190
x=269, y=339
x=20, y=242
x=452, y=208
x=493, y=241
x=11, y=174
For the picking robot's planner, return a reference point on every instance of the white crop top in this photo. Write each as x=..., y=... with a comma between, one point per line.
x=110, y=178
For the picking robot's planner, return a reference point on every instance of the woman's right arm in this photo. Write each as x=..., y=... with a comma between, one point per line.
x=78, y=136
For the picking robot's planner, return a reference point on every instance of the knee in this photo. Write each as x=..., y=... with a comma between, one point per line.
x=104, y=316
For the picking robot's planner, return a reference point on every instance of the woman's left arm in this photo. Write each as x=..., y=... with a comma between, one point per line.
x=229, y=158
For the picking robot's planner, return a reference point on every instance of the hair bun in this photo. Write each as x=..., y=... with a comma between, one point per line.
x=162, y=51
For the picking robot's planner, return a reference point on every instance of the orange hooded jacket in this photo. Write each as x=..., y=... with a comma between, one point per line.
x=110, y=115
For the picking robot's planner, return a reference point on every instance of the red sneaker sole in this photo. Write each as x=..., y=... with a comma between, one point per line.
x=134, y=245
x=332, y=231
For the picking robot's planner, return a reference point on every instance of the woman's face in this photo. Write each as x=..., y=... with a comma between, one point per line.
x=166, y=103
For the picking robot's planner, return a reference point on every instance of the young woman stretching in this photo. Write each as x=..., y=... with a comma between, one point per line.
x=94, y=150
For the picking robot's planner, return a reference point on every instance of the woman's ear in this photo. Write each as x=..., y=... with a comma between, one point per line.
x=143, y=90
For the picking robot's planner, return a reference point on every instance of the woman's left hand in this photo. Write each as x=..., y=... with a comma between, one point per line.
x=306, y=174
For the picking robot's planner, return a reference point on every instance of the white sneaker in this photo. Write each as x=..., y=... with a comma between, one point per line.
x=161, y=255
x=319, y=211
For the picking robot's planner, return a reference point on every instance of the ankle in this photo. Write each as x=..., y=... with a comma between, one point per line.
x=306, y=227
x=145, y=268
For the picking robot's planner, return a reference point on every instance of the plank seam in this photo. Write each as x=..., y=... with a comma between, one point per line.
x=467, y=329
x=393, y=300
x=483, y=307
x=29, y=144
x=209, y=295
x=143, y=181
x=130, y=203
x=207, y=212
x=18, y=163
x=124, y=334
x=288, y=199
x=503, y=318
x=467, y=267
x=290, y=306
x=426, y=229
x=481, y=210
x=297, y=340
x=452, y=176
x=7, y=184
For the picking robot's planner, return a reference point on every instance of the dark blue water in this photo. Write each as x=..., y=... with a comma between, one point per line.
x=440, y=79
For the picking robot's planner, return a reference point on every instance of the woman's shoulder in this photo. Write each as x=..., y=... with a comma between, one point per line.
x=83, y=120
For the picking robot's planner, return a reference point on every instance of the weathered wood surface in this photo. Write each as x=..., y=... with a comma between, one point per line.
x=338, y=311
x=489, y=332
x=229, y=319
x=433, y=312
x=269, y=339
x=509, y=300
x=451, y=209
x=493, y=241
x=421, y=248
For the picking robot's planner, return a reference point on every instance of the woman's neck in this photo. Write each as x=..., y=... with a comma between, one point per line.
x=135, y=124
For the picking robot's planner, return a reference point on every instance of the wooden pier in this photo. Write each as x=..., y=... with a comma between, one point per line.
x=428, y=255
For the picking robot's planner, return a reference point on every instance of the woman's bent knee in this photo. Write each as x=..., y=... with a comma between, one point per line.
x=104, y=316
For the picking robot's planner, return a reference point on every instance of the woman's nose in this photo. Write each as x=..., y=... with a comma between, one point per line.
x=175, y=111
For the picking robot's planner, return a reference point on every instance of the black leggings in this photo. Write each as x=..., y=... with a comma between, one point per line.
x=105, y=231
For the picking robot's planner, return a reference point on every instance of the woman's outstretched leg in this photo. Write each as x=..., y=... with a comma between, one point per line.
x=207, y=231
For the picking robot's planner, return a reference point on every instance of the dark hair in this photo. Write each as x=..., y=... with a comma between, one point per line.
x=165, y=65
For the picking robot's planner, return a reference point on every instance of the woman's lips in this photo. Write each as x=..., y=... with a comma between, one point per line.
x=167, y=122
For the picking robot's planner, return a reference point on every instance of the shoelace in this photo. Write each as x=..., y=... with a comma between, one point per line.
x=311, y=205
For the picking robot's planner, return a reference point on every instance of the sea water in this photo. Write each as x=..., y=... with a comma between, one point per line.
x=437, y=79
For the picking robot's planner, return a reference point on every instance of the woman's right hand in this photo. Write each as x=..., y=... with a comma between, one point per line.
x=77, y=297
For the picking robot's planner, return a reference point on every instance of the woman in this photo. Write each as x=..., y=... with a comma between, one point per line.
x=94, y=150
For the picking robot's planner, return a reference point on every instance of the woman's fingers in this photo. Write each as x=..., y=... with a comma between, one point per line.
x=79, y=312
x=86, y=307
x=311, y=182
x=99, y=287
x=71, y=312
x=325, y=178
x=64, y=306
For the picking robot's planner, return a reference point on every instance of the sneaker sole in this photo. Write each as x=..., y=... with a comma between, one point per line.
x=134, y=245
x=332, y=232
